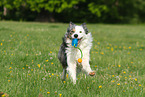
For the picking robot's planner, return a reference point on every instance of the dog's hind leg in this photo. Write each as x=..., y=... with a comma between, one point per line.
x=63, y=74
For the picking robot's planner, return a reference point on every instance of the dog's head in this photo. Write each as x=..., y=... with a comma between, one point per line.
x=75, y=31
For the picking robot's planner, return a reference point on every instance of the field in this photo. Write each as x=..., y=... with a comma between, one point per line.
x=29, y=66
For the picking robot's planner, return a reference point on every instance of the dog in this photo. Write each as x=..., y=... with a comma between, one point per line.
x=68, y=55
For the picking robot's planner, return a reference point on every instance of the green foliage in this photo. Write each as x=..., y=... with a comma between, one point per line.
x=114, y=11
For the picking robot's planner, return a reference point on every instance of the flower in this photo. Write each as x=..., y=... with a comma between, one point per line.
x=10, y=68
x=124, y=72
x=139, y=84
x=1, y=44
x=60, y=95
x=129, y=47
x=112, y=49
x=102, y=53
x=119, y=65
x=48, y=92
x=38, y=65
x=100, y=86
x=131, y=62
x=9, y=80
x=118, y=84
x=46, y=60
x=135, y=79
x=112, y=81
x=51, y=62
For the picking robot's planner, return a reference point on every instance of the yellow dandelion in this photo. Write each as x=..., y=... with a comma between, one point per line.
x=112, y=49
x=48, y=92
x=112, y=75
x=129, y=75
x=11, y=62
x=102, y=53
x=67, y=76
x=118, y=84
x=100, y=86
x=140, y=49
x=112, y=81
x=1, y=44
x=50, y=51
x=40, y=89
x=125, y=77
x=31, y=69
x=3, y=95
x=23, y=68
x=9, y=80
x=124, y=72
x=95, y=66
x=98, y=43
x=135, y=79
x=60, y=95
x=56, y=75
x=10, y=35
x=10, y=68
x=52, y=74
x=38, y=65
x=29, y=74
x=51, y=62
x=128, y=52
x=131, y=62
x=125, y=83
x=139, y=84
x=26, y=65
x=123, y=90
x=46, y=60
x=64, y=82
x=108, y=47
x=10, y=72
x=129, y=47
x=119, y=65
x=96, y=52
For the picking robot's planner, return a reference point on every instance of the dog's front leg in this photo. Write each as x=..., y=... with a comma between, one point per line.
x=86, y=66
x=71, y=69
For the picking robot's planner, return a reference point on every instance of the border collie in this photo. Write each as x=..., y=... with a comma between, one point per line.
x=68, y=55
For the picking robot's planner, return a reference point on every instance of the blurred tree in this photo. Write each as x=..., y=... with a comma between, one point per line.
x=112, y=11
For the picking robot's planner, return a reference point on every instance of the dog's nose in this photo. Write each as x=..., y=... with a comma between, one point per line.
x=76, y=35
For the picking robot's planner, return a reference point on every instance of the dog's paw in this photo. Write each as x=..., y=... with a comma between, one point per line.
x=92, y=73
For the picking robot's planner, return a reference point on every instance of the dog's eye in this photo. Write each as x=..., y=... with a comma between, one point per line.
x=72, y=31
x=80, y=31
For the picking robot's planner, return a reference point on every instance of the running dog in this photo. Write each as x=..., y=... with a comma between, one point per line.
x=68, y=55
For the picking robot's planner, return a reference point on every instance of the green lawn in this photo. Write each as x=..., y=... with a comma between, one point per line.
x=29, y=66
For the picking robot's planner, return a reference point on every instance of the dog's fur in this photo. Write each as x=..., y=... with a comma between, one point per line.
x=68, y=55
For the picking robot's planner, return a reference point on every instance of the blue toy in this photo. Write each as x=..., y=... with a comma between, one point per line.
x=75, y=42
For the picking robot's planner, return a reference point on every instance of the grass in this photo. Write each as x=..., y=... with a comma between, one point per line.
x=29, y=66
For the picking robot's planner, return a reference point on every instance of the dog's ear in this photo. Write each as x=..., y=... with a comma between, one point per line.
x=71, y=24
x=85, y=28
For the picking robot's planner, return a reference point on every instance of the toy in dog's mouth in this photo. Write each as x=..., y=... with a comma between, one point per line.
x=75, y=42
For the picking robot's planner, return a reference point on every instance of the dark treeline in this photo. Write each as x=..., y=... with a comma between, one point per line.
x=92, y=11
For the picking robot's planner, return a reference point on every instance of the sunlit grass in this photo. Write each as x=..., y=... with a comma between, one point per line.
x=30, y=68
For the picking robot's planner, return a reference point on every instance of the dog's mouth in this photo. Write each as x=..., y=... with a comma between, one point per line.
x=76, y=41
x=79, y=40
